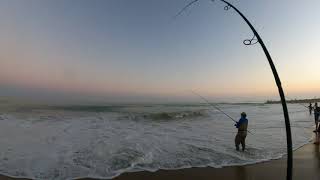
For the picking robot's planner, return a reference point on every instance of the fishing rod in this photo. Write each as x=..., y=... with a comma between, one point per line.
x=184, y=8
x=291, y=99
x=216, y=107
x=304, y=106
x=257, y=38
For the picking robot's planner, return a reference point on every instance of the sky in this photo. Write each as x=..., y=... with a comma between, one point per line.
x=136, y=51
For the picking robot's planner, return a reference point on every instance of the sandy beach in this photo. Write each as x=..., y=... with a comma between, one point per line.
x=306, y=166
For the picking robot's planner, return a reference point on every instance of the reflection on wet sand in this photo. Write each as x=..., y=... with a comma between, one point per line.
x=317, y=148
x=241, y=173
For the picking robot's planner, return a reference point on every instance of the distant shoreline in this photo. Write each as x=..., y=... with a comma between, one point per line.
x=295, y=101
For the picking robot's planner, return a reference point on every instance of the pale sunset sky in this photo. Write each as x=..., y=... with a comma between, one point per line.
x=135, y=51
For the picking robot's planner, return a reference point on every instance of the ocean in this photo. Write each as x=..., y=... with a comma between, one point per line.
x=65, y=142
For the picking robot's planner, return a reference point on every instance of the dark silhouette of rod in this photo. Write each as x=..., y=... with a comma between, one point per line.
x=216, y=107
x=281, y=93
x=277, y=80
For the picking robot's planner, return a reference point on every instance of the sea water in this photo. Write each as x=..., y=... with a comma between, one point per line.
x=65, y=142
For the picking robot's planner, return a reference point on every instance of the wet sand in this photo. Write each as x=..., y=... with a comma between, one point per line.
x=306, y=167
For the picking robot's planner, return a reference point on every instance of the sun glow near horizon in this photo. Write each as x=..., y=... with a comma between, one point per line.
x=93, y=49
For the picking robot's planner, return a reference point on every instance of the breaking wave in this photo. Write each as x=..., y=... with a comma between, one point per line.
x=66, y=142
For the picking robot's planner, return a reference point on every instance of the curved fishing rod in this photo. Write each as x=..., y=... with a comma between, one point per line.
x=216, y=107
x=256, y=38
x=278, y=82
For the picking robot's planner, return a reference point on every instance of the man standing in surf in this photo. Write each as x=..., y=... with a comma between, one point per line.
x=316, y=116
x=242, y=126
x=310, y=108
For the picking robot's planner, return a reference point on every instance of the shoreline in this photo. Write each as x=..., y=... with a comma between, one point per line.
x=306, y=164
x=307, y=155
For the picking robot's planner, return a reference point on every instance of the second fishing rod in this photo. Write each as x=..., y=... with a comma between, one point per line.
x=217, y=108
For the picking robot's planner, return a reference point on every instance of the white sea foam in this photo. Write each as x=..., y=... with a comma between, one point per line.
x=103, y=142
